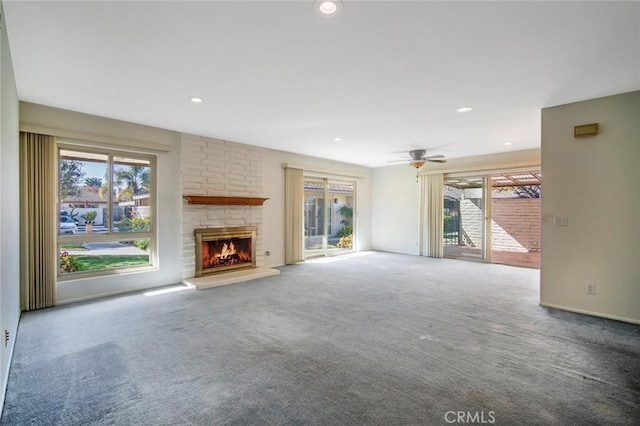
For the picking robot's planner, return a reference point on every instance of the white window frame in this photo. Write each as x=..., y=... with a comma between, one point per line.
x=110, y=236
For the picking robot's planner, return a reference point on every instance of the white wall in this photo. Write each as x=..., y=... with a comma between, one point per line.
x=595, y=181
x=168, y=238
x=9, y=210
x=168, y=196
x=273, y=187
x=396, y=210
x=396, y=195
x=478, y=163
x=81, y=123
x=170, y=201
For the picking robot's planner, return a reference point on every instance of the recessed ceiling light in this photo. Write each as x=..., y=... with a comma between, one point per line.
x=508, y=143
x=464, y=109
x=328, y=7
x=196, y=99
x=337, y=139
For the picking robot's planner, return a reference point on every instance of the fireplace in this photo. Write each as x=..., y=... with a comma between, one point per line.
x=225, y=249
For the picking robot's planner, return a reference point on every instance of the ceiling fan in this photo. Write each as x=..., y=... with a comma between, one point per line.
x=418, y=158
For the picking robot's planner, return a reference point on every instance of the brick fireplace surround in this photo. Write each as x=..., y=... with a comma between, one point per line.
x=212, y=167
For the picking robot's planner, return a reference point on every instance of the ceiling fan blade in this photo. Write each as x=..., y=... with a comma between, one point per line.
x=429, y=157
x=436, y=161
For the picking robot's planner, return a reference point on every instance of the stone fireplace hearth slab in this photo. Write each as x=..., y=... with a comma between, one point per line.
x=231, y=277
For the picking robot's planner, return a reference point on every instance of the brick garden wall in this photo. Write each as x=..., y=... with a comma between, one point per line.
x=520, y=219
x=515, y=225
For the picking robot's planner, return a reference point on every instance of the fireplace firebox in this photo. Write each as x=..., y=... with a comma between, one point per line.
x=225, y=249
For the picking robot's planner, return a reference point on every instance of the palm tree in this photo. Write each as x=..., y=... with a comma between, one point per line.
x=135, y=179
x=93, y=181
x=93, y=184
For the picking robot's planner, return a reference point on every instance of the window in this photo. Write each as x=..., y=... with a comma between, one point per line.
x=106, y=211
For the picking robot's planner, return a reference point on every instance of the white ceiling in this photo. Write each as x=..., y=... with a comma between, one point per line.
x=383, y=76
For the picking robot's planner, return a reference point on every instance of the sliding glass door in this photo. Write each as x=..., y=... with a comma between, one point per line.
x=494, y=218
x=340, y=217
x=328, y=216
x=314, y=218
x=465, y=218
x=515, y=218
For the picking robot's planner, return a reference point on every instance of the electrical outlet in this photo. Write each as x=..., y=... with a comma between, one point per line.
x=590, y=289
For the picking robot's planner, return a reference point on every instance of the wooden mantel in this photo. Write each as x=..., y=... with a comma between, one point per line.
x=224, y=201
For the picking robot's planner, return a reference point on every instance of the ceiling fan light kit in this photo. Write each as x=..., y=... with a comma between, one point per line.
x=418, y=158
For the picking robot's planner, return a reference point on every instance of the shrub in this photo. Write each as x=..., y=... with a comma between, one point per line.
x=345, y=231
x=68, y=263
x=142, y=244
x=346, y=242
x=135, y=224
x=90, y=216
x=450, y=223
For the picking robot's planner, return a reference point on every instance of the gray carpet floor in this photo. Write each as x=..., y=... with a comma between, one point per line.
x=379, y=338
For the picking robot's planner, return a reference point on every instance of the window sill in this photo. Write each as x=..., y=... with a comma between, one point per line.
x=74, y=276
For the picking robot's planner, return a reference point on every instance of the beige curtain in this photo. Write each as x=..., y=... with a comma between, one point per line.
x=431, y=218
x=293, y=216
x=38, y=223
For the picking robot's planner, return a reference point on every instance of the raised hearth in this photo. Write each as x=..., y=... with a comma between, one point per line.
x=231, y=277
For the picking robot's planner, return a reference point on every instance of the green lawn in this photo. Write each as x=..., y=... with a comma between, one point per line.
x=92, y=263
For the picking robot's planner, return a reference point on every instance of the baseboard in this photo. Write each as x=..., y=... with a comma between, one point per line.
x=594, y=314
x=112, y=293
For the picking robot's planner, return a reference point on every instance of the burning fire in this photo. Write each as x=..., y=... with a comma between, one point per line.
x=228, y=250
x=228, y=253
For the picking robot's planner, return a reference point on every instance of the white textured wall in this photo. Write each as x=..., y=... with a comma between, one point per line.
x=216, y=167
x=168, y=198
x=396, y=208
x=396, y=195
x=200, y=166
x=273, y=184
x=595, y=181
x=9, y=209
